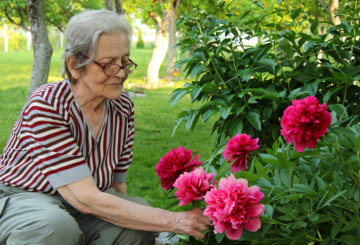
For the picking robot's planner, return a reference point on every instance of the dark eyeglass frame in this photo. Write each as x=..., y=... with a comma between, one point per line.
x=104, y=66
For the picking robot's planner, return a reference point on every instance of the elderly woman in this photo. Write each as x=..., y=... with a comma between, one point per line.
x=62, y=172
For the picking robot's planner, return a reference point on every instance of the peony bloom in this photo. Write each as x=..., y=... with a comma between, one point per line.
x=234, y=206
x=193, y=186
x=238, y=149
x=304, y=122
x=174, y=163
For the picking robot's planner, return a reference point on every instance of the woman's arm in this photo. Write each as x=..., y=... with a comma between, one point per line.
x=119, y=187
x=87, y=198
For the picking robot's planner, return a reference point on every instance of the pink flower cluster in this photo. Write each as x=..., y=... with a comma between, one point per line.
x=193, y=186
x=173, y=164
x=234, y=206
x=238, y=149
x=304, y=122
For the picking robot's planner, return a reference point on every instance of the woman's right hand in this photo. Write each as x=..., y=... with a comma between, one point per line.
x=192, y=223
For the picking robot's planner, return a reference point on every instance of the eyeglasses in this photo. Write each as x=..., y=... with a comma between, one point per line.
x=113, y=69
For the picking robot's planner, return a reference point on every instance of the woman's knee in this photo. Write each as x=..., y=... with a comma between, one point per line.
x=61, y=224
x=50, y=227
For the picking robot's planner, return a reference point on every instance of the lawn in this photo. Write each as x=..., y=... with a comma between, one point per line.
x=154, y=120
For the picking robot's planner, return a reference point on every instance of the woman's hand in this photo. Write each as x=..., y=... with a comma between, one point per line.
x=191, y=223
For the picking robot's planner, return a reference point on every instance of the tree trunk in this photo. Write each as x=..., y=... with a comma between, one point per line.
x=333, y=8
x=159, y=52
x=41, y=45
x=109, y=5
x=118, y=7
x=171, y=60
x=6, y=38
x=28, y=40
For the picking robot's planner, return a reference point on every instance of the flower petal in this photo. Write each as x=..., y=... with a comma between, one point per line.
x=253, y=225
x=233, y=234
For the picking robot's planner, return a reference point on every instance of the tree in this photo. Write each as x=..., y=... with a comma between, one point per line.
x=37, y=14
x=118, y=6
x=172, y=39
x=159, y=52
x=41, y=45
x=333, y=8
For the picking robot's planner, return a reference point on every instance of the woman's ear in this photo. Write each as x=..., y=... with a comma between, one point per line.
x=71, y=63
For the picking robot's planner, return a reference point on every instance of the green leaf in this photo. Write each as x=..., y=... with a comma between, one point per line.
x=260, y=170
x=285, y=178
x=225, y=111
x=285, y=45
x=177, y=95
x=335, y=229
x=267, y=113
x=208, y=113
x=269, y=158
x=277, y=178
x=328, y=202
x=194, y=93
x=191, y=118
x=236, y=127
x=180, y=119
x=267, y=61
x=330, y=92
x=254, y=119
x=314, y=217
x=219, y=237
x=340, y=110
x=296, y=13
x=197, y=69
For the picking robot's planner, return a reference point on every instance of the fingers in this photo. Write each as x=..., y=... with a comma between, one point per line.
x=192, y=223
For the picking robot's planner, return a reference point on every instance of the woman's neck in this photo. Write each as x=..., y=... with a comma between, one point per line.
x=88, y=102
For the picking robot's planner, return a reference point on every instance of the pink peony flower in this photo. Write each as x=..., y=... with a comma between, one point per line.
x=234, y=206
x=304, y=122
x=193, y=186
x=238, y=149
x=174, y=163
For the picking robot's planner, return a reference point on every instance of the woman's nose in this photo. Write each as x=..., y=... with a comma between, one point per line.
x=121, y=73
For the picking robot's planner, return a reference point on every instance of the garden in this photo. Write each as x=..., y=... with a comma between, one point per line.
x=264, y=138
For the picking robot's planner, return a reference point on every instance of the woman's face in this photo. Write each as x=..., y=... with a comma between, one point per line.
x=111, y=48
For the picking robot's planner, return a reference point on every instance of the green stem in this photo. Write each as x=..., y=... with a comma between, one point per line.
x=212, y=62
x=272, y=221
x=354, y=179
x=313, y=238
x=241, y=88
x=348, y=209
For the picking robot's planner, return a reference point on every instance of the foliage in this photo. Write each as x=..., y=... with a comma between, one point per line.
x=140, y=42
x=311, y=196
x=248, y=87
x=58, y=12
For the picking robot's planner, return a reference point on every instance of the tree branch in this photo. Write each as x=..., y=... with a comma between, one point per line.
x=21, y=24
x=155, y=17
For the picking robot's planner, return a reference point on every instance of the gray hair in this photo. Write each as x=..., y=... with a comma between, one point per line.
x=83, y=31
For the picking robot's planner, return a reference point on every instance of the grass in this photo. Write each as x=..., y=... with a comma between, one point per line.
x=154, y=120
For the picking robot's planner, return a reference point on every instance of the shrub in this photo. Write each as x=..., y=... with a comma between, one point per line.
x=140, y=42
x=248, y=88
x=310, y=195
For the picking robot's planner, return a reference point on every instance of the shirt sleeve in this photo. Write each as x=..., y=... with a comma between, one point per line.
x=127, y=151
x=50, y=143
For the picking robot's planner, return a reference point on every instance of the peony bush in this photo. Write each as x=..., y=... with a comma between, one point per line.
x=305, y=189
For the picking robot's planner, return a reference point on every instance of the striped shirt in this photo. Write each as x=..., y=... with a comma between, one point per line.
x=51, y=145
